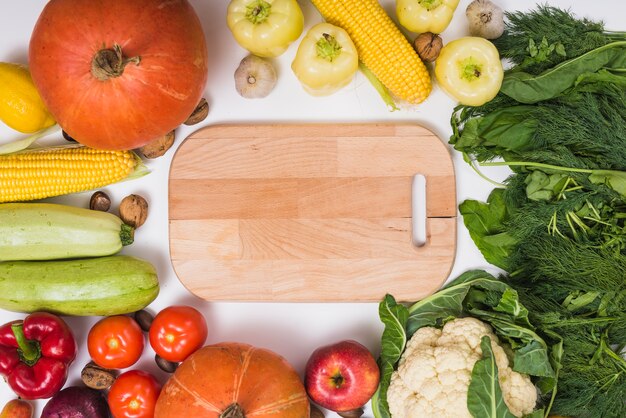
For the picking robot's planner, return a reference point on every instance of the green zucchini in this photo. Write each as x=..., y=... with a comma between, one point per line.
x=47, y=231
x=111, y=285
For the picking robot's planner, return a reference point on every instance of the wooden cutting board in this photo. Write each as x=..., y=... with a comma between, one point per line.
x=310, y=212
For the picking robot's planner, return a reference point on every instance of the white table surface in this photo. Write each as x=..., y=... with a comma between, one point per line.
x=290, y=329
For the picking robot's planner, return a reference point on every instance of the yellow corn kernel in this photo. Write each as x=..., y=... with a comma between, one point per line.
x=381, y=46
x=46, y=172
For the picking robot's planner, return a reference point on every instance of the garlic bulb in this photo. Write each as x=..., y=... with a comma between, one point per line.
x=485, y=18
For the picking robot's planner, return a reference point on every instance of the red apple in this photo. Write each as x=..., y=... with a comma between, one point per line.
x=341, y=376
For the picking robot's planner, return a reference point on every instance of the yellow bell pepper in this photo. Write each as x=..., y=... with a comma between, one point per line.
x=265, y=27
x=425, y=15
x=469, y=69
x=326, y=60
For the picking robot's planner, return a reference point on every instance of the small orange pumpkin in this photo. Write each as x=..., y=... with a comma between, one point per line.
x=116, y=74
x=233, y=380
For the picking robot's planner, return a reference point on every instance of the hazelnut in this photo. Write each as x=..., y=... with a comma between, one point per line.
x=159, y=146
x=100, y=201
x=144, y=319
x=96, y=377
x=428, y=45
x=134, y=210
x=199, y=114
x=165, y=365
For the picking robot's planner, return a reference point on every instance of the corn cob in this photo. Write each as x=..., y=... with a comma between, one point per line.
x=381, y=46
x=46, y=172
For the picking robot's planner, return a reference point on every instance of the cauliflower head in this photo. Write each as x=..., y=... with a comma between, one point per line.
x=435, y=370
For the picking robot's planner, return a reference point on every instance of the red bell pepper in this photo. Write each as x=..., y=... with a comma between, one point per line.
x=35, y=355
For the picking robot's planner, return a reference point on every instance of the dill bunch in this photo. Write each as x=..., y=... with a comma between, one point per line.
x=544, y=37
x=573, y=282
x=590, y=386
x=580, y=130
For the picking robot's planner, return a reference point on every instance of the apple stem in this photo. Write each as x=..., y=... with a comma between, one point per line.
x=233, y=411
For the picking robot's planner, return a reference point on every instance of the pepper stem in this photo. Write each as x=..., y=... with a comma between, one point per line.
x=110, y=63
x=470, y=69
x=327, y=47
x=258, y=11
x=29, y=351
x=429, y=4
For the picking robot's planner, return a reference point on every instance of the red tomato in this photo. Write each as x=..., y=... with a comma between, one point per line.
x=133, y=395
x=177, y=331
x=115, y=342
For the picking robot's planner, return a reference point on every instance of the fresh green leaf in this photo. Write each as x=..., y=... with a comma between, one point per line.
x=394, y=316
x=533, y=359
x=448, y=302
x=509, y=303
x=530, y=351
x=614, y=179
x=469, y=138
x=484, y=396
x=580, y=300
x=485, y=223
x=377, y=408
x=527, y=88
x=532, y=48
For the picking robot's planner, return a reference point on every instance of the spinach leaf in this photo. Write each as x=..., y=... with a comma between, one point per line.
x=394, y=316
x=614, y=179
x=484, y=396
x=527, y=88
x=485, y=223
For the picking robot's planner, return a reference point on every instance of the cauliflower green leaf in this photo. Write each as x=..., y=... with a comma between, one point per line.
x=484, y=396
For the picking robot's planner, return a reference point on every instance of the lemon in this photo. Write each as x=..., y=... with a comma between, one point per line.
x=21, y=107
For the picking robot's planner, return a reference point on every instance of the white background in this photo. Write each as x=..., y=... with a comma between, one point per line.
x=293, y=330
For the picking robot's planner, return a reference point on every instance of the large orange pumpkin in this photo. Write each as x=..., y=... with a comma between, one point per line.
x=116, y=74
x=233, y=380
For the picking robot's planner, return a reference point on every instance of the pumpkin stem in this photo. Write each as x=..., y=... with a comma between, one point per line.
x=233, y=411
x=110, y=63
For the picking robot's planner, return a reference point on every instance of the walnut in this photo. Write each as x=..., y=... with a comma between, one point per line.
x=428, y=45
x=159, y=146
x=134, y=210
x=199, y=114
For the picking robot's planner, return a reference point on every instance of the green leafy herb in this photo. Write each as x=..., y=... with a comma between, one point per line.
x=523, y=134
x=568, y=264
x=484, y=396
x=559, y=225
x=549, y=27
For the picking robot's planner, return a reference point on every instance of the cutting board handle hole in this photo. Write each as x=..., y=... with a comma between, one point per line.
x=418, y=210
